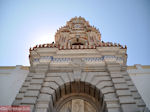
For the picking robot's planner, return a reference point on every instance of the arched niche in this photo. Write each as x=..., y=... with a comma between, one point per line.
x=82, y=95
x=77, y=41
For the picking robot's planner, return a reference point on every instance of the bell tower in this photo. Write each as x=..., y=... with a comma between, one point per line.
x=79, y=73
x=77, y=32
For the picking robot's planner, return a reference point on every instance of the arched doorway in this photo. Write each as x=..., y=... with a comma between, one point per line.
x=80, y=97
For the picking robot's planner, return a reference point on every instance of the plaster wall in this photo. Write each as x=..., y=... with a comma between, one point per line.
x=11, y=80
x=140, y=75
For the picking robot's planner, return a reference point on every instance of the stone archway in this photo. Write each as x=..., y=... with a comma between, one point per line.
x=94, y=85
x=80, y=97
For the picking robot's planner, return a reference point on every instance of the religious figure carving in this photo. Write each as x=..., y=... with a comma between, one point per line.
x=77, y=105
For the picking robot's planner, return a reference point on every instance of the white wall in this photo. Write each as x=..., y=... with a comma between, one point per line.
x=141, y=79
x=11, y=81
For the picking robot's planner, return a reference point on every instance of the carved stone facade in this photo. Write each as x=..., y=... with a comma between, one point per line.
x=79, y=73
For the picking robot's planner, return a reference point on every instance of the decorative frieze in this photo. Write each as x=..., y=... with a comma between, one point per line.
x=87, y=60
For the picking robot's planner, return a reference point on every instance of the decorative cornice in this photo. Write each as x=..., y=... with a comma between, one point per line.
x=87, y=60
x=101, y=44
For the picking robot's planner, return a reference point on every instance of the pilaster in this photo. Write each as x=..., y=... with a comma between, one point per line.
x=126, y=99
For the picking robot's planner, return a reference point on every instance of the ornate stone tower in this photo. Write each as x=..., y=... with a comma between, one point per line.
x=79, y=73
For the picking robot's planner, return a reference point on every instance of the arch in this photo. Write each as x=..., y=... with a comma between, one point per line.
x=93, y=85
x=79, y=90
x=77, y=41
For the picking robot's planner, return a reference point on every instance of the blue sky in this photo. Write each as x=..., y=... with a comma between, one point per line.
x=25, y=23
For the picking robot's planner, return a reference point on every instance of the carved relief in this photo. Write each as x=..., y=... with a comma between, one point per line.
x=77, y=105
x=66, y=107
x=77, y=26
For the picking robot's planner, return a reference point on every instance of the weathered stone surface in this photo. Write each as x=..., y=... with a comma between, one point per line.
x=41, y=110
x=104, y=84
x=129, y=108
x=16, y=102
x=129, y=83
x=132, y=88
x=140, y=102
x=83, y=76
x=113, y=105
x=70, y=75
x=37, y=81
x=50, y=91
x=127, y=77
x=20, y=95
x=42, y=105
x=126, y=100
x=47, y=90
x=44, y=97
x=56, y=79
x=113, y=65
x=31, y=74
x=123, y=93
x=26, y=84
x=118, y=80
x=117, y=75
x=136, y=95
x=90, y=76
x=108, y=90
x=23, y=89
x=64, y=76
x=41, y=70
x=121, y=86
x=97, y=80
x=114, y=110
x=29, y=100
x=111, y=100
x=28, y=79
x=32, y=93
x=51, y=85
x=34, y=87
x=110, y=96
x=41, y=76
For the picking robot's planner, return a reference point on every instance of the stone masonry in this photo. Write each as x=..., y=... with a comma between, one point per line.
x=81, y=69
